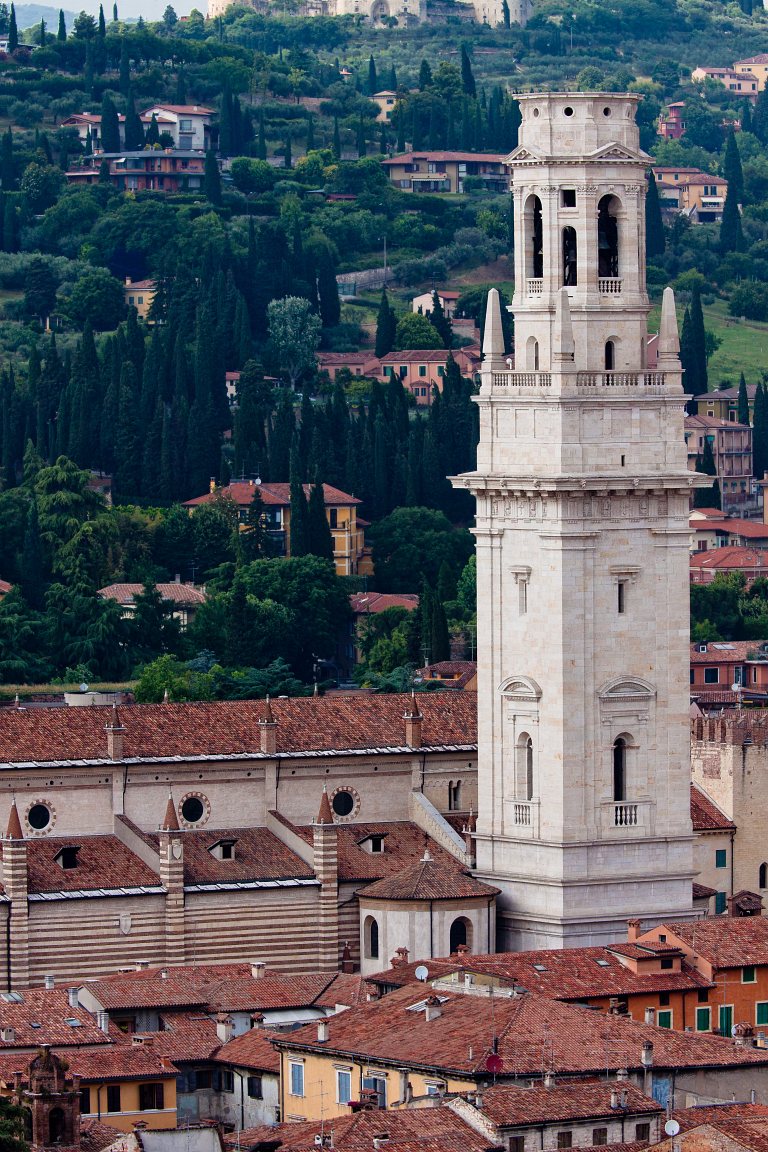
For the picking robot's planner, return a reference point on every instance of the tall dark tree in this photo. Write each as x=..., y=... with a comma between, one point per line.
x=134, y=129
x=152, y=138
x=299, y=527
x=760, y=433
x=373, y=82
x=13, y=32
x=62, y=31
x=319, y=536
x=110, y=125
x=743, y=401
x=467, y=76
x=731, y=235
x=425, y=76
x=732, y=170
x=102, y=31
x=361, y=141
x=693, y=348
x=128, y=437
x=746, y=116
x=212, y=178
x=41, y=34
x=386, y=323
x=125, y=69
x=336, y=146
x=440, y=321
x=7, y=162
x=655, y=241
x=328, y=291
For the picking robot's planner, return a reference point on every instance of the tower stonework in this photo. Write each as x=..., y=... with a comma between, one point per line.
x=582, y=494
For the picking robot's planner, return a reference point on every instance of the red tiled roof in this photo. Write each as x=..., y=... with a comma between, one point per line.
x=717, y=1114
x=563, y=974
x=347, y=988
x=403, y=845
x=407, y=157
x=272, y=495
x=142, y=285
x=231, y=728
x=725, y=941
x=185, y=1037
x=191, y=109
x=42, y=1017
x=365, y=603
x=428, y=880
x=177, y=593
x=705, y=814
x=510, y=1106
x=730, y=557
x=734, y=527
x=724, y=651
x=251, y=1050
x=103, y=862
x=259, y=855
x=409, y=1130
x=116, y=1061
x=95, y=1136
x=5, y=587
x=701, y=891
x=409, y=356
x=531, y=1031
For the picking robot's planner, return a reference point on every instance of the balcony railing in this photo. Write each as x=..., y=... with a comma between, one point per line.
x=522, y=814
x=521, y=379
x=535, y=286
x=609, y=285
x=622, y=817
x=620, y=379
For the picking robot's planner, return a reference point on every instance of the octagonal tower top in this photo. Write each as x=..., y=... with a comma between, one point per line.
x=577, y=124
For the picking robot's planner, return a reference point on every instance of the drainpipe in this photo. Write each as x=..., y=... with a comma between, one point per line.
x=242, y=1100
x=431, y=933
x=98, y=1100
x=733, y=863
x=8, y=945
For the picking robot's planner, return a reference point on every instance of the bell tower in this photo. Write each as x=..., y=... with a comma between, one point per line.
x=582, y=494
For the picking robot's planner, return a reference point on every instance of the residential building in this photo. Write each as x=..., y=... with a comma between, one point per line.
x=672, y=122
x=139, y=294
x=95, y=876
x=448, y=301
x=251, y=1065
x=460, y=674
x=584, y=818
x=713, y=854
x=731, y=445
x=698, y=195
x=727, y=758
x=5, y=588
x=424, y=1040
x=446, y=171
x=356, y=363
x=752, y=563
x=90, y=122
x=189, y=124
x=149, y=171
x=732, y=952
x=184, y=599
x=367, y=604
x=422, y=370
x=724, y=403
x=386, y=101
x=351, y=554
x=724, y=663
x=756, y=66
x=739, y=80
x=726, y=532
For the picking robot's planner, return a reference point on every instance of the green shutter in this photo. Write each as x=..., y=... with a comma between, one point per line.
x=762, y=1012
x=703, y=1019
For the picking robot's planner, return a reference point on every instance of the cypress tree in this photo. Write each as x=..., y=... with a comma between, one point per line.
x=760, y=433
x=134, y=129
x=62, y=32
x=440, y=321
x=287, y=151
x=361, y=143
x=373, y=83
x=655, y=241
x=505, y=14
x=731, y=234
x=124, y=82
x=392, y=81
x=10, y=227
x=383, y=139
x=336, y=147
x=299, y=529
x=732, y=170
x=13, y=32
x=152, y=137
x=110, y=125
x=425, y=76
x=41, y=34
x=7, y=165
x=743, y=402
x=261, y=141
x=746, y=116
x=102, y=23
x=212, y=178
x=310, y=134
x=114, y=13
x=320, y=538
x=401, y=132
x=128, y=437
x=440, y=645
x=386, y=322
x=88, y=147
x=467, y=78
x=225, y=123
x=760, y=117
x=693, y=348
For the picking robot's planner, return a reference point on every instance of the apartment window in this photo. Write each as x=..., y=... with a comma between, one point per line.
x=663, y=999
x=725, y=1022
x=131, y=299
x=185, y=125
x=565, y=1139
x=599, y=1136
x=253, y=1085
x=703, y=1019
x=748, y=974
x=440, y=370
x=454, y=796
x=516, y=1144
x=150, y=1097
x=642, y=1131
x=667, y=963
x=762, y=876
x=203, y=1079
x=297, y=1079
x=422, y=369
x=664, y=1019
x=761, y=1012
x=113, y=1098
x=621, y=596
x=377, y=1084
x=711, y=675
x=343, y=1087
x=721, y=858
x=227, y=1080
x=721, y=902
x=702, y=996
x=569, y=197
x=85, y=1101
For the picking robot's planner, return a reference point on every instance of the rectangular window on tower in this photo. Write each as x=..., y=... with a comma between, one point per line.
x=523, y=596
x=621, y=596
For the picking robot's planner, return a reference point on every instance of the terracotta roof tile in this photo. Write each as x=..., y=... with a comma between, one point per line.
x=404, y=844
x=725, y=941
x=175, y=593
x=243, y=492
x=365, y=603
x=509, y=1105
x=43, y=1017
x=185, y=1036
x=724, y=651
x=731, y=556
x=531, y=1031
x=705, y=814
x=230, y=728
x=103, y=862
x=259, y=855
x=407, y=157
x=253, y=1049
x=347, y=988
x=415, y=1130
x=95, y=1136
x=747, y=528
x=428, y=880
x=110, y=1062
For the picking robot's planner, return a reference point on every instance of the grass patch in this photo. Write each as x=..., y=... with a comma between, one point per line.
x=744, y=346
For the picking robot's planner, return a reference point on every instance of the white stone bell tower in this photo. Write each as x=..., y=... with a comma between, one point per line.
x=582, y=552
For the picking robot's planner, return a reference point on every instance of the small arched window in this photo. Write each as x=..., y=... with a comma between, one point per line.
x=534, y=233
x=371, y=937
x=610, y=356
x=570, y=257
x=608, y=237
x=525, y=766
x=532, y=354
x=763, y=876
x=620, y=769
x=461, y=934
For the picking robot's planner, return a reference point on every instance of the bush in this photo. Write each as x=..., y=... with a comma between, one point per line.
x=749, y=300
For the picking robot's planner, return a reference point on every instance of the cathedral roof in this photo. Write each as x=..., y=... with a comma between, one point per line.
x=428, y=880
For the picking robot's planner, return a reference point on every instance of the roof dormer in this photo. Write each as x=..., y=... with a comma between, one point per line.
x=223, y=849
x=66, y=857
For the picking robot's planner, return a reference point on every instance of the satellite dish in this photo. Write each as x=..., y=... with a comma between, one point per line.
x=671, y=1127
x=494, y=1063
x=421, y=972
x=83, y=687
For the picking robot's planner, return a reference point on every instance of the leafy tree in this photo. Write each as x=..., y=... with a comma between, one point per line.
x=98, y=298
x=84, y=27
x=212, y=178
x=170, y=19
x=386, y=325
x=41, y=185
x=251, y=175
x=40, y=286
x=415, y=331
x=294, y=331
x=22, y=660
x=416, y=540
x=655, y=241
x=64, y=503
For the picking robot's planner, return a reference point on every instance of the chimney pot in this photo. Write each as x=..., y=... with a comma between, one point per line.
x=650, y=1015
x=102, y=1019
x=72, y=996
x=257, y=969
x=49, y=982
x=646, y=1056
x=432, y=1008
x=633, y=930
x=322, y=1031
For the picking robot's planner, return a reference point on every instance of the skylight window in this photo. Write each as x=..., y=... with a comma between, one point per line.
x=12, y=997
x=540, y=967
x=603, y=963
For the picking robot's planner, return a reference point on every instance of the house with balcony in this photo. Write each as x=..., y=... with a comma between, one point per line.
x=743, y=82
x=189, y=124
x=351, y=555
x=756, y=66
x=86, y=122
x=166, y=171
x=447, y=171
x=719, y=665
x=731, y=445
x=697, y=194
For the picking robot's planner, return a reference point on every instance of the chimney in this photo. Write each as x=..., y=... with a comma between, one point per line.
x=102, y=1019
x=646, y=1056
x=322, y=1031
x=49, y=982
x=380, y=1140
x=347, y=964
x=7, y=1035
x=622, y=1074
x=400, y=958
x=257, y=969
x=115, y=733
x=432, y=1008
x=268, y=731
x=650, y=1015
x=549, y=1079
x=633, y=930
x=614, y=1099
x=17, y=1081
x=225, y=1027
x=413, y=720
x=73, y=998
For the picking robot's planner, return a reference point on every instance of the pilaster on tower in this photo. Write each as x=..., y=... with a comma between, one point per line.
x=582, y=493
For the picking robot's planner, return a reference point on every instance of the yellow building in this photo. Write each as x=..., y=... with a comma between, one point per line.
x=386, y=101
x=139, y=294
x=447, y=171
x=351, y=555
x=739, y=80
x=701, y=196
x=756, y=66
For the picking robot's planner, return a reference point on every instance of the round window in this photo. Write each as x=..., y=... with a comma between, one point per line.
x=535, y=111
x=192, y=809
x=606, y=111
x=39, y=817
x=568, y=111
x=343, y=803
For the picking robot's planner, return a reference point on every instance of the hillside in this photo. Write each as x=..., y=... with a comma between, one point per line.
x=30, y=15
